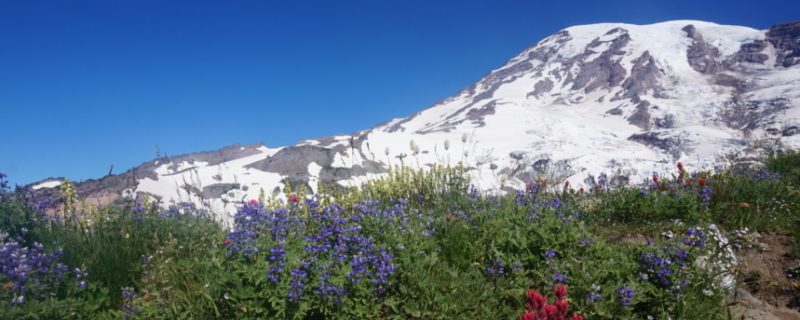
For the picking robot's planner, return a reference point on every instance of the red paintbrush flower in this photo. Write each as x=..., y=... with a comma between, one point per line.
x=560, y=291
x=536, y=300
x=563, y=306
x=540, y=309
x=293, y=198
x=528, y=315
x=550, y=311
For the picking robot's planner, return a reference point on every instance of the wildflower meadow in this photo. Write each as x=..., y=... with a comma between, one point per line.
x=412, y=245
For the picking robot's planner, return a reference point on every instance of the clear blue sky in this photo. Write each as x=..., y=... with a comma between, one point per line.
x=88, y=84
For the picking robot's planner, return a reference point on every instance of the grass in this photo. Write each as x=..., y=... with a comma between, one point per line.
x=413, y=245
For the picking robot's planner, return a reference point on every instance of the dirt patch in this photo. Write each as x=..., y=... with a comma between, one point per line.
x=762, y=278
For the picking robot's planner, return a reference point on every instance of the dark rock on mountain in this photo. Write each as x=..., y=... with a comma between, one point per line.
x=786, y=40
x=702, y=56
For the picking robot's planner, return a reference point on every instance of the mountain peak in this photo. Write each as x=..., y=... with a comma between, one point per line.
x=611, y=100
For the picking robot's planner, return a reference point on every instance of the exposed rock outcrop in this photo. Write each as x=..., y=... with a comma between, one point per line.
x=786, y=40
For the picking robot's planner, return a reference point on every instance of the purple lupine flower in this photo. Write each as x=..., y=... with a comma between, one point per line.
x=706, y=194
x=681, y=256
x=326, y=289
x=31, y=272
x=465, y=216
x=695, y=237
x=129, y=310
x=358, y=268
x=274, y=272
x=658, y=266
x=521, y=198
x=383, y=268
x=625, y=296
x=555, y=203
x=532, y=215
x=495, y=269
x=473, y=192
x=550, y=253
x=762, y=174
x=560, y=277
x=297, y=285
x=80, y=277
x=339, y=242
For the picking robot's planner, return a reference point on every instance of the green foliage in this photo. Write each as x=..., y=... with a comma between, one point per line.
x=755, y=199
x=785, y=163
x=180, y=279
x=16, y=217
x=86, y=305
x=113, y=247
x=632, y=205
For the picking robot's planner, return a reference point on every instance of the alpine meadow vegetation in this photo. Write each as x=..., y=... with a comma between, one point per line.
x=415, y=244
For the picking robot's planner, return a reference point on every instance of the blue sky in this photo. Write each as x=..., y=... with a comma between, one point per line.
x=88, y=84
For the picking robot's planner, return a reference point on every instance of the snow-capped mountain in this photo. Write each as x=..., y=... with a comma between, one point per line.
x=615, y=100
